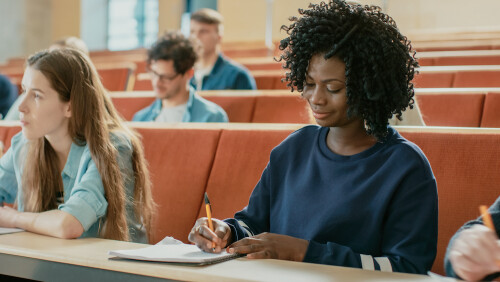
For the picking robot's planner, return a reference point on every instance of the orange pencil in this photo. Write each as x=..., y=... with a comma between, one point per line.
x=488, y=222
x=209, y=216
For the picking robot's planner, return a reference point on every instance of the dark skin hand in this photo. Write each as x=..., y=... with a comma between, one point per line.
x=262, y=246
x=271, y=246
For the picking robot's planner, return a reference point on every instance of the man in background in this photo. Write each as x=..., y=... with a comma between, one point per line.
x=170, y=64
x=212, y=70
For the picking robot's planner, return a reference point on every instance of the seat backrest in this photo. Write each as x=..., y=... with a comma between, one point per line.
x=115, y=79
x=467, y=60
x=486, y=78
x=128, y=106
x=448, y=109
x=180, y=161
x=237, y=108
x=491, y=110
x=142, y=82
x=281, y=109
x=269, y=79
x=433, y=79
x=466, y=171
x=241, y=157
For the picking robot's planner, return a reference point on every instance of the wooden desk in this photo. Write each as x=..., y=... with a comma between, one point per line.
x=45, y=258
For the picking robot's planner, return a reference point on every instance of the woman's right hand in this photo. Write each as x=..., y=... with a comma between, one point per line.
x=475, y=253
x=208, y=240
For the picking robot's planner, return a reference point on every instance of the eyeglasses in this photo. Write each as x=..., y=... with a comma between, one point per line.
x=163, y=78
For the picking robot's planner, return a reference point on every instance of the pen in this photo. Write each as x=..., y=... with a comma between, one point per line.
x=208, y=207
x=488, y=222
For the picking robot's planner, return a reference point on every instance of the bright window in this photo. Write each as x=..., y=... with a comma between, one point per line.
x=132, y=24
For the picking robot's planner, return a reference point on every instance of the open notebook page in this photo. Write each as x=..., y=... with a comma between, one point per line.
x=182, y=253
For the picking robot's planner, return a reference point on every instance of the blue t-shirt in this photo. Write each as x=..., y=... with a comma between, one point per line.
x=226, y=74
x=374, y=210
x=83, y=189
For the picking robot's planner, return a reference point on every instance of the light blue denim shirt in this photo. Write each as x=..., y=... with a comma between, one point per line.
x=198, y=110
x=83, y=188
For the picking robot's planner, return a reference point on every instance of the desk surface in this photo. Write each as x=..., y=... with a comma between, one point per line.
x=46, y=258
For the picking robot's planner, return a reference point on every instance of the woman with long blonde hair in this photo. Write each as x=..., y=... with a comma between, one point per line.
x=75, y=170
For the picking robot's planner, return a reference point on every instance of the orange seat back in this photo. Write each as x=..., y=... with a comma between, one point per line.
x=451, y=109
x=491, y=110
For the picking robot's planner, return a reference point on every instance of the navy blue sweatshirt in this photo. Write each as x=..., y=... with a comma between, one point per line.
x=374, y=210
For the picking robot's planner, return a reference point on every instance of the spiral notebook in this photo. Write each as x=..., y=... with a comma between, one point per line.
x=182, y=253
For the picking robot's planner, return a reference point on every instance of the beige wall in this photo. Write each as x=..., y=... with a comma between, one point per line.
x=245, y=20
x=65, y=18
x=169, y=14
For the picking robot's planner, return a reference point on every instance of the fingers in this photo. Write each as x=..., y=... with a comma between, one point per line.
x=206, y=239
x=246, y=246
x=222, y=231
x=474, y=253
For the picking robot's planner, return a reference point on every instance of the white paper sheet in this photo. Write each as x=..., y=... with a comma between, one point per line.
x=9, y=230
x=181, y=253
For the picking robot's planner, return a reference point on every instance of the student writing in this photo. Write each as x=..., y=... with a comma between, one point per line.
x=351, y=191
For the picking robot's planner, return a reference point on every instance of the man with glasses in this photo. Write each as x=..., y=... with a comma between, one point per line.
x=170, y=64
x=213, y=71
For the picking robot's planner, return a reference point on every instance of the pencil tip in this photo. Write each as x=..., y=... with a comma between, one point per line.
x=207, y=202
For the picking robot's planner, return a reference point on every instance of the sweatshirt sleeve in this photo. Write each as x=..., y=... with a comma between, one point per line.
x=254, y=218
x=495, y=215
x=410, y=236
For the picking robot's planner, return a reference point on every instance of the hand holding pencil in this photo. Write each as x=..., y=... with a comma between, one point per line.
x=475, y=252
x=210, y=234
x=488, y=222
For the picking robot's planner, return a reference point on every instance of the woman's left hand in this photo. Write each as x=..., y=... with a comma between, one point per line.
x=8, y=217
x=271, y=246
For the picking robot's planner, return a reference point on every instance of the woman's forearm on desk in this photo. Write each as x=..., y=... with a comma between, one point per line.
x=53, y=223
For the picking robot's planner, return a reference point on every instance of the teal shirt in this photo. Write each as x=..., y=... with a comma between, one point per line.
x=83, y=188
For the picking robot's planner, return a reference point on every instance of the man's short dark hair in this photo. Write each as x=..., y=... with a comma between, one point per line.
x=174, y=46
x=207, y=16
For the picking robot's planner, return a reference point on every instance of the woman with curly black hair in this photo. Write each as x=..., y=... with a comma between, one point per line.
x=351, y=191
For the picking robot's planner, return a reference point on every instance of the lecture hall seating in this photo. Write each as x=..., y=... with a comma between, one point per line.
x=114, y=76
x=458, y=76
x=463, y=107
x=459, y=58
x=186, y=160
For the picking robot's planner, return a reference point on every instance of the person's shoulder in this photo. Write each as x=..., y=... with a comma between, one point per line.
x=405, y=149
x=142, y=115
x=18, y=140
x=302, y=136
x=4, y=80
x=18, y=143
x=121, y=140
x=234, y=66
x=206, y=104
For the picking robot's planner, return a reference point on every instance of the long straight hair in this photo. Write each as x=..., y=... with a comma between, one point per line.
x=93, y=118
